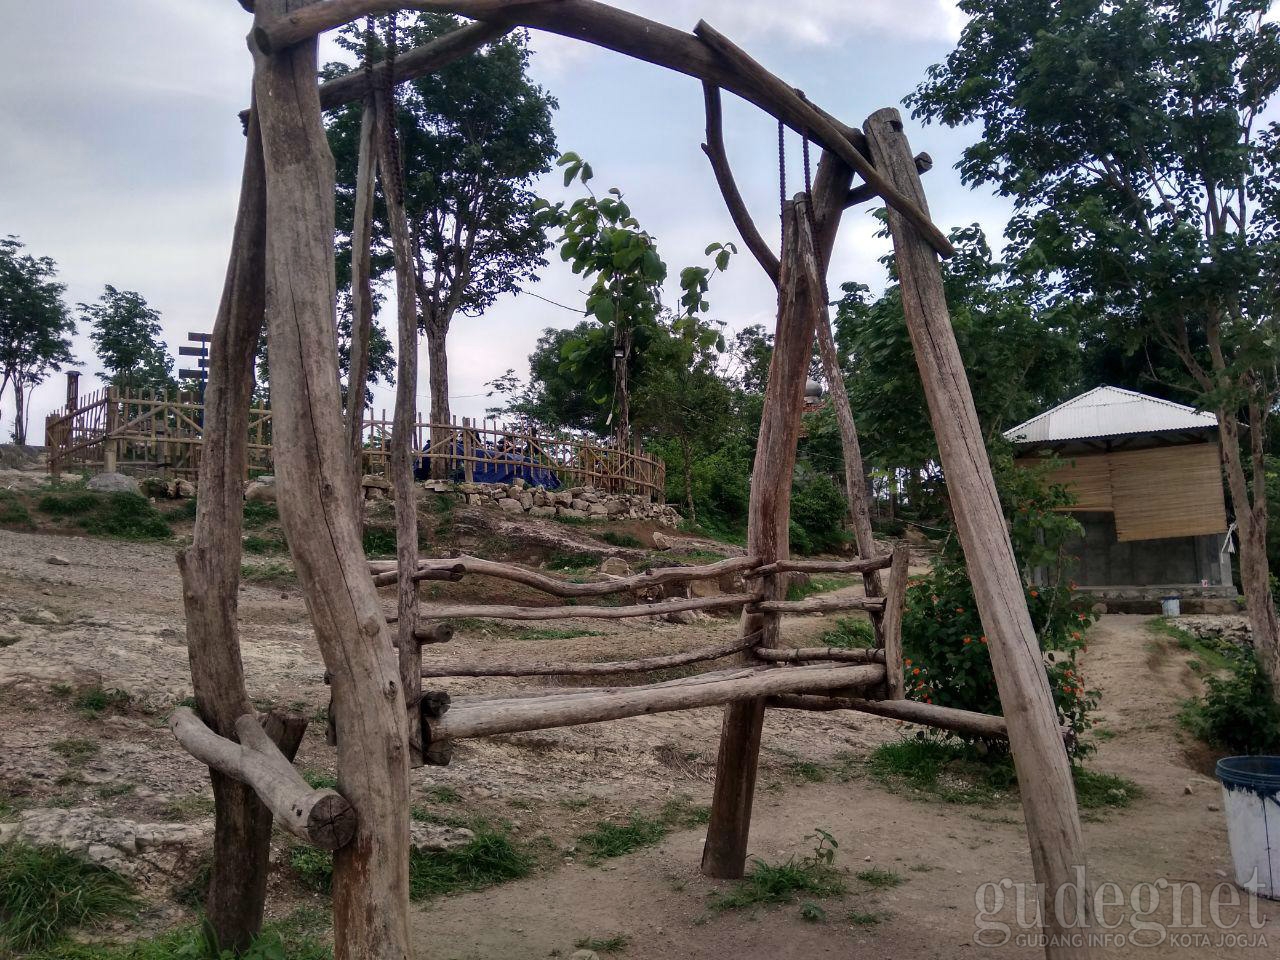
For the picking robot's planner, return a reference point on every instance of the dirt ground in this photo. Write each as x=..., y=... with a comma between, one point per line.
x=111, y=617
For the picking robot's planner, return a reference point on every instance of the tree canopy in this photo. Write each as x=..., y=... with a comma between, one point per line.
x=35, y=325
x=127, y=334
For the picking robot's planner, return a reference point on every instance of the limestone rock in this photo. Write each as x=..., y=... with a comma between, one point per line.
x=114, y=483
x=507, y=505
x=615, y=567
x=436, y=837
x=262, y=490
x=58, y=561
x=598, y=510
x=570, y=512
x=662, y=542
x=542, y=511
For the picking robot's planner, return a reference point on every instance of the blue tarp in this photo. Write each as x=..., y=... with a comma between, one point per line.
x=496, y=466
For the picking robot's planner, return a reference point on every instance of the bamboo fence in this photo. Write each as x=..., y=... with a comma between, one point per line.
x=161, y=431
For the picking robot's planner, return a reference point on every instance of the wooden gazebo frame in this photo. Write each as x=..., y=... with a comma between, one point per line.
x=282, y=273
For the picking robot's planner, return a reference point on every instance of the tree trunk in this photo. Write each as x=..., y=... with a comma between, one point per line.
x=316, y=496
x=210, y=567
x=361, y=291
x=437, y=328
x=687, y=470
x=1251, y=523
x=19, y=421
x=403, y=427
x=622, y=388
x=1041, y=762
x=769, y=513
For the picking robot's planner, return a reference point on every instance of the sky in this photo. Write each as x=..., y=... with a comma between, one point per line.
x=120, y=156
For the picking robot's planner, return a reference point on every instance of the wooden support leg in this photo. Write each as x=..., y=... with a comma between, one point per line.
x=316, y=479
x=1044, y=771
x=211, y=568
x=769, y=515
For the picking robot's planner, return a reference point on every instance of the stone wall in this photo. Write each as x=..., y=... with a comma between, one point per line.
x=519, y=497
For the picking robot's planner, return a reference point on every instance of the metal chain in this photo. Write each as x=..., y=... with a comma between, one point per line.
x=808, y=186
x=369, y=36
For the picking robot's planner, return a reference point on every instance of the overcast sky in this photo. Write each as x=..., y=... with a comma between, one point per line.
x=120, y=154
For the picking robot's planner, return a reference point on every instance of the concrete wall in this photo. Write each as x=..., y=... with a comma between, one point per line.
x=1173, y=561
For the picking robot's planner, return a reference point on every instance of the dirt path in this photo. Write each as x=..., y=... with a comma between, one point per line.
x=112, y=617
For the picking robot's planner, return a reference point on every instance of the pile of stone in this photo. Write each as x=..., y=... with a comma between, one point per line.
x=1217, y=628
x=126, y=846
x=519, y=497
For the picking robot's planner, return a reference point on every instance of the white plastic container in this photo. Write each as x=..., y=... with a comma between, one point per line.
x=1251, y=801
x=1171, y=606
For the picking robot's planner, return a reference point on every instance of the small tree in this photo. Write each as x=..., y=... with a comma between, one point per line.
x=1137, y=142
x=474, y=136
x=129, y=339
x=35, y=326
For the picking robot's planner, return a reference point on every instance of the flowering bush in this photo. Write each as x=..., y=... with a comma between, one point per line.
x=945, y=654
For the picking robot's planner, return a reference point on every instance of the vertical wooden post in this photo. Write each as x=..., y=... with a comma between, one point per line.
x=891, y=623
x=315, y=479
x=1043, y=768
x=468, y=451
x=361, y=291
x=210, y=567
x=73, y=389
x=404, y=428
x=109, y=447
x=769, y=515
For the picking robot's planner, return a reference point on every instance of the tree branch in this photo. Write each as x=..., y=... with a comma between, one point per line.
x=714, y=149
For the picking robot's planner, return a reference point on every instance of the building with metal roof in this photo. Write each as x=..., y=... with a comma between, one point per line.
x=1147, y=478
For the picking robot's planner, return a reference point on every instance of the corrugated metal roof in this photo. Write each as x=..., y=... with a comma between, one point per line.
x=1109, y=412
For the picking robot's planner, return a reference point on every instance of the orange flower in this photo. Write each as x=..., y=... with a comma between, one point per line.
x=907, y=661
x=982, y=639
x=968, y=639
x=1034, y=593
x=959, y=609
x=915, y=672
x=1075, y=634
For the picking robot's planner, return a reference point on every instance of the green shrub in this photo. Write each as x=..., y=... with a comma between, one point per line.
x=818, y=510
x=621, y=540
x=13, y=512
x=1238, y=712
x=849, y=633
x=570, y=561
x=617, y=839
x=45, y=891
x=94, y=701
x=380, y=542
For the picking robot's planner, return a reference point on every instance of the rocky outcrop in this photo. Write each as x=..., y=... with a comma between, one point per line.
x=113, y=483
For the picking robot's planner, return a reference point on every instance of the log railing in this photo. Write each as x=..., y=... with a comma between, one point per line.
x=162, y=431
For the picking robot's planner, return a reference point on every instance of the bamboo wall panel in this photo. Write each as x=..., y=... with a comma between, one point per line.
x=1168, y=492
x=1088, y=477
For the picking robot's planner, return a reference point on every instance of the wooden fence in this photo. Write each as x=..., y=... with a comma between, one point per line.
x=161, y=432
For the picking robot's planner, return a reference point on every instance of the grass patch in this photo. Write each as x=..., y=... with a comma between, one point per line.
x=1216, y=655
x=879, y=878
x=126, y=516
x=610, y=840
x=277, y=572
x=259, y=514
x=621, y=540
x=93, y=702
x=955, y=772
x=282, y=940
x=44, y=892
x=75, y=749
x=259, y=545
x=870, y=918
x=13, y=512
x=489, y=858
x=571, y=561
x=194, y=806
x=849, y=633
x=320, y=780
x=615, y=944
x=554, y=633
x=807, y=771
x=799, y=589
x=444, y=794
x=814, y=875
x=380, y=542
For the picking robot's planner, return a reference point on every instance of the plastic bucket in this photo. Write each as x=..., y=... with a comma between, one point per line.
x=1251, y=801
x=1171, y=606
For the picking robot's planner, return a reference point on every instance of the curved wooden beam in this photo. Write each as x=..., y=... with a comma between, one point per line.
x=707, y=55
x=727, y=601
x=714, y=149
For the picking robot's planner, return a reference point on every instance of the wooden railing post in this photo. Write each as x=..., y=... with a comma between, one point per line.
x=109, y=449
x=1043, y=768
